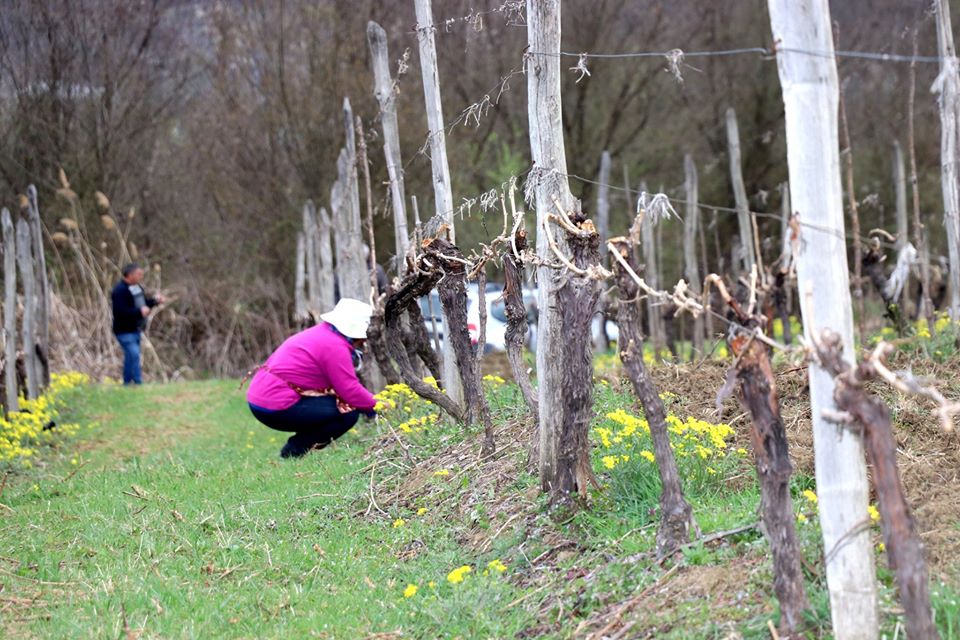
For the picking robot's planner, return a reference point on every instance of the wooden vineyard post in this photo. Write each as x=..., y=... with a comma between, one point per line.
x=744, y=222
x=442, y=188
x=9, y=312
x=758, y=395
x=312, y=276
x=43, y=286
x=903, y=231
x=324, y=230
x=385, y=92
x=28, y=277
x=602, y=340
x=690, y=223
x=947, y=86
x=869, y=414
x=351, y=264
x=676, y=515
x=651, y=270
x=781, y=279
x=810, y=96
x=920, y=241
x=564, y=355
x=301, y=313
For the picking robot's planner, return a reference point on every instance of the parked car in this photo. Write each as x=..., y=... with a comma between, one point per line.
x=495, y=326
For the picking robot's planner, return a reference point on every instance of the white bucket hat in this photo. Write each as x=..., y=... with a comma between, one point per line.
x=350, y=317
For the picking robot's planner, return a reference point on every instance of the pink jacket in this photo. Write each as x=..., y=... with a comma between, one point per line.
x=316, y=359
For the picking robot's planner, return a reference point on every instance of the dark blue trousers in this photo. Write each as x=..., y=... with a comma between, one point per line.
x=315, y=423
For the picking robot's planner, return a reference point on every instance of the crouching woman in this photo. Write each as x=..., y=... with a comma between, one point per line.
x=309, y=385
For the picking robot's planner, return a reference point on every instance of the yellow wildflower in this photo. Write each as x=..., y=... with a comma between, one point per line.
x=810, y=496
x=874, y=514
x=648, y=455
x=457, y=575
x=610, y=461
x=399, y=522
x=801, y=518
x=442, y=472
x=421, y=511
x=496, y=565
x=410, y=591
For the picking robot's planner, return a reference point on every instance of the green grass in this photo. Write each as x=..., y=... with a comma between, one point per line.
x=173, y=517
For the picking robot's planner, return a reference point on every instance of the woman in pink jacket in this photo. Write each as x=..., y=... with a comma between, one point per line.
x=309, y=385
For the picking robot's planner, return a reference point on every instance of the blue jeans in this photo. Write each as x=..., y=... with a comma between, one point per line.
x=130, y=342
x=315, y=422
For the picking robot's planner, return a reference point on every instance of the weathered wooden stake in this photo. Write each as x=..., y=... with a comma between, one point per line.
x=442, y=187
x=312, y=277
x=924, y=304
x=43, y=287
x=744, y=222
x=10, y=311
x=676, y=515
x=651, y=272
x=324, y=242
x=301, y=313
x=690, y=224
x=386, y=93
x=564, y=367
x=854, y=222
x=810, y=96
x=948, y=86
x=602, y=340
x=29, y=327
x=352, y=268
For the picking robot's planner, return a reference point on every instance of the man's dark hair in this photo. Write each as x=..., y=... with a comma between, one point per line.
x=130, y=268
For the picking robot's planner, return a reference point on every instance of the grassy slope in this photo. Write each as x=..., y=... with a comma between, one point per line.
x=178, y=520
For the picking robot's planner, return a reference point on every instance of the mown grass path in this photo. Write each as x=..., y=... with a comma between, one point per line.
x=173, y=517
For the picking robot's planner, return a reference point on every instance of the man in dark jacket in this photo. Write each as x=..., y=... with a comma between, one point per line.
x=131, y=306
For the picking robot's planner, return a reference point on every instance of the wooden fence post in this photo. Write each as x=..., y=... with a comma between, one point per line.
x=948, y=86
x=29, y=327
x=602, y=340
x=301, y=313
x=310, y=255
x=386, y=94
x=351, y=263
x=43, y=286
x=564, y=368
x=810, y=96
x=651, y=272
x=690, y=224
x=10, y=311
x=744, y=223
x=442, y=188
x=325, y=297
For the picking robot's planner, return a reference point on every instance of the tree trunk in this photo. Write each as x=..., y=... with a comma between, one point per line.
x=28, y=277
x=602, y=340
x=517, y=328
x=676, y=516
x=948, y=86
x=453, y=298
x=810, y=95
x=690, y=224
x=10, y=311
x=744, y=223
x=442, y=187
x=352, y=270
x=904, y=547
x=385, y=91
x=758, y=394
x=325, y=293
x=43, y=287
x=564, y=371
x=651, y=272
